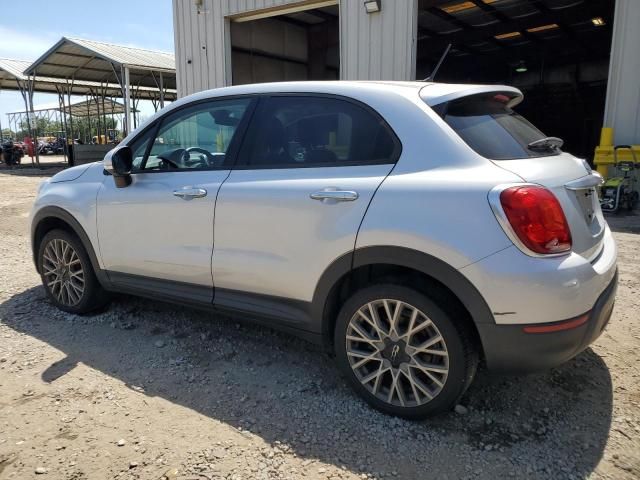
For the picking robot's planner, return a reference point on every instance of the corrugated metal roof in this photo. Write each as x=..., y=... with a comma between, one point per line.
x=14, y=68
x=131, y=56
x=93, y=61
x=12, y=72
x=81, y=109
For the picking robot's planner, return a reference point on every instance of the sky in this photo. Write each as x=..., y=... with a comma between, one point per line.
x=28, y=29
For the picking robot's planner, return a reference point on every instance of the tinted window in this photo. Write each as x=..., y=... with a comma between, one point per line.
x=491, y=128
x=300, y=131
x=196, y=137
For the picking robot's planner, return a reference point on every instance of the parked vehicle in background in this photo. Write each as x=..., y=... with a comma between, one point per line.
x=51, y=146
x=112, y=137
x=11, y=153
x=411, y=228
x=22, y=146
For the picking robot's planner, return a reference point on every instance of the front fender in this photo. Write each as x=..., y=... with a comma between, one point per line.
x=53, y=216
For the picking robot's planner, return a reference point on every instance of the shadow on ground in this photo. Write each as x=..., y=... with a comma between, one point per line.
x=624, y=221
x=282, y=389
x=29, y=170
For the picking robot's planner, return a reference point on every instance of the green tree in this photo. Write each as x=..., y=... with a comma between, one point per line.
x=83, y=127
x=6, y=133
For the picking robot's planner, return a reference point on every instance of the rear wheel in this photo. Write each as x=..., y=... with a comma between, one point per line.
x=67, y=274
x=402, y=353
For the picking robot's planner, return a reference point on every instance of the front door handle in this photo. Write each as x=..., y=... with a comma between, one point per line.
x=187, y=193
x=336, y=195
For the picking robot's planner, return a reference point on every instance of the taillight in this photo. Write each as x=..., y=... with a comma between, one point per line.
x=536, y=218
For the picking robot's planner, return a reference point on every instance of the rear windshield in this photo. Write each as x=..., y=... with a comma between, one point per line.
x=487, y=124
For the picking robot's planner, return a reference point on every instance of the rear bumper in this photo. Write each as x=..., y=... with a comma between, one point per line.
x=508, y=348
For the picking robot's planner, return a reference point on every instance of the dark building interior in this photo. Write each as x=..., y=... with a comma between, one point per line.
x=295, y=46
x=555, y=51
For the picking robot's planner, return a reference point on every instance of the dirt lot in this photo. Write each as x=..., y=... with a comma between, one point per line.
x=147, y=390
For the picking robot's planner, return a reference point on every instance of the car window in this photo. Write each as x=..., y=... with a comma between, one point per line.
x=491, y=128
x=197, y=137
x=139, y=148
x=300, y=131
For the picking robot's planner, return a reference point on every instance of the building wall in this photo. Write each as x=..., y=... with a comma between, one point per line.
x=380, y=46
x=622, y=112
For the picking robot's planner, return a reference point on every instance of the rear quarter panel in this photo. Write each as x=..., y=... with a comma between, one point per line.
x=435, y=199
x=443, y=212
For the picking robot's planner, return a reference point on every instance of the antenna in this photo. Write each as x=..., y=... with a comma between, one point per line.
x=439, y=64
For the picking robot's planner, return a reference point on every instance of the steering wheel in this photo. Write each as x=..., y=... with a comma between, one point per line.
x=171, y=163
x=209, y=157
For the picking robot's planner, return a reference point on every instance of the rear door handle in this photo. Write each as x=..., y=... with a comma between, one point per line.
x=188, y=193
x=337, y=195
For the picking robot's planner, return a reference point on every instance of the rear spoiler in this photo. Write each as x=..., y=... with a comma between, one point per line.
x=594, y=179
x=437, y=93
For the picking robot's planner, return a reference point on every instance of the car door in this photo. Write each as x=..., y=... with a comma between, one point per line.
x=308, y=168
x=157, y=233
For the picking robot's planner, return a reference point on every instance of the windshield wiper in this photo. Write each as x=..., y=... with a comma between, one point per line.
x=547, y=143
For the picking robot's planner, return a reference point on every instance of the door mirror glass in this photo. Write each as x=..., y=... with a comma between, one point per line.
x=122, y=161
x=119, y=163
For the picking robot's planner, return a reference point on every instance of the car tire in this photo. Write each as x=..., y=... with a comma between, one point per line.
x=67, y=274
x=429, y=370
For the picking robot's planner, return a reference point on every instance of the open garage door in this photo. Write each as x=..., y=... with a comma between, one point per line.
x=555, y=51
x=299, y=43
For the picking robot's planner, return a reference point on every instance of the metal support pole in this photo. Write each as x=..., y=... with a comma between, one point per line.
x=114, y=125
x=27, y=96
x=127, y=101
x=87, y=138
x=1, y=134
x=69, y=88
x=104, y=116
x=64, y=121
x=161, y=91
x=96, y=100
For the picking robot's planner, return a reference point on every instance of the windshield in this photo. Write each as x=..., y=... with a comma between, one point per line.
x=487, y=124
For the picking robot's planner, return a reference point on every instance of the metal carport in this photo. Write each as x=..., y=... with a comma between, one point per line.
x=132, y=69
x=13, y=76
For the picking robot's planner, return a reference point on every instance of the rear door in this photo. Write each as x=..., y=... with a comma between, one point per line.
x=307, y=171
x=487, y=124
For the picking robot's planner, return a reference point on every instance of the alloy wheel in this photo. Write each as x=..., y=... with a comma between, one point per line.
x=63, y=272
x=397, y=353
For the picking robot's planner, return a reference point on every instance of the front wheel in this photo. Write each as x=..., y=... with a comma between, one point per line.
x=402, y=353
x=67, y=274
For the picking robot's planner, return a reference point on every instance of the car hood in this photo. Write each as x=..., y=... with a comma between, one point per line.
x=70, y=174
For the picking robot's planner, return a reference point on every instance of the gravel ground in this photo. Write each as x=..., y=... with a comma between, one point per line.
x=146, y=390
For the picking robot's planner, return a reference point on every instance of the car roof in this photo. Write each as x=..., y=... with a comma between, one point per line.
x=431, y=92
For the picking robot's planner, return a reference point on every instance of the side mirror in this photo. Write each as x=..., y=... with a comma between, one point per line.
x=118, y=163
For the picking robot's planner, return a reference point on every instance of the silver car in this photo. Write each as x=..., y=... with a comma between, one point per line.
x=413, y=229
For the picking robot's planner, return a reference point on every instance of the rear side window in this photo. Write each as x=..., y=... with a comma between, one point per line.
x=491, y=128
x=307, y=131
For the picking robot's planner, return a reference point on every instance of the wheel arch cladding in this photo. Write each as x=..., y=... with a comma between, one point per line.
x=413, y=268
x=50, y=218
